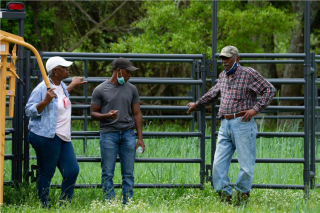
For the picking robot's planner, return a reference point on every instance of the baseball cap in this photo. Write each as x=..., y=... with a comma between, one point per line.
x=57, y=61
x=229, y=51
x=123, y=63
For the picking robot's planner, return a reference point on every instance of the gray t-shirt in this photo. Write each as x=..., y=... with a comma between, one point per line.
x=116, y=97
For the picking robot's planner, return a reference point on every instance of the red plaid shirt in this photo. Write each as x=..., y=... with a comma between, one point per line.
x=240, y=93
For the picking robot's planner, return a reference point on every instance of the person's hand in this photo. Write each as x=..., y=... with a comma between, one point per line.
x=140, y=143
x=249, y=114
x=192, y=106
x=77, y=80
x=112, y=114
x=49, y=95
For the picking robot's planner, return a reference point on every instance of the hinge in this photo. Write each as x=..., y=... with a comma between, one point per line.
x=196, y=66
x=208, y=66
x=208, y=173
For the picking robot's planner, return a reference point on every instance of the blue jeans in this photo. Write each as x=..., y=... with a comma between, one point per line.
x=235, y=134
x=52, y=153
x=111, y=144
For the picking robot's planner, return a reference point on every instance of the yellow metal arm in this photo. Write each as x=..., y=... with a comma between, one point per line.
x=4, y=36
x=9, y=71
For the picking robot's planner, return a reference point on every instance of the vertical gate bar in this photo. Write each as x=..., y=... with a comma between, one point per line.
x=306, y=171
x=203, y=122
x=317, y=104
x=18, y=114
x=317, y=139
x=198, y=95
x=193, y=95
x=213, y=79
x=312, y=124
x=85, y=113
x=26, y=153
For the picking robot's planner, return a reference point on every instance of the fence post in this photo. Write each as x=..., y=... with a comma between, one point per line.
x=213, y=80
x=203, y=123
x=17, y=136
x=192, y=92
x=307, y=100
x=313, y=115
x=26, y=153
x=85, y=112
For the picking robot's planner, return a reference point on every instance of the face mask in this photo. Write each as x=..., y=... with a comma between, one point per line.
x=233, y=68
x=121, y=79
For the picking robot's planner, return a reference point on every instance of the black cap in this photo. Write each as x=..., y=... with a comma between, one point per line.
x=123, y=63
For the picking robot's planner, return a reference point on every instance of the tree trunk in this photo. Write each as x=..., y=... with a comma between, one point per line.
x=297, y=46
x=35, y=8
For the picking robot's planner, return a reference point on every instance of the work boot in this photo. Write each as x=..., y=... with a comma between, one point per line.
x=241, y=198
x=225, y=198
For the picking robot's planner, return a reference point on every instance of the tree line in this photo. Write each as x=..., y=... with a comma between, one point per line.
x=170, y=27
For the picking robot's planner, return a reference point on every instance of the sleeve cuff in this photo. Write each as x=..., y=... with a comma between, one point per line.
x=34, y=111
x=257, y=109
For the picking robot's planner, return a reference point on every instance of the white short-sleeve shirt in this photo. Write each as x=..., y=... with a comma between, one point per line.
x=63, y=129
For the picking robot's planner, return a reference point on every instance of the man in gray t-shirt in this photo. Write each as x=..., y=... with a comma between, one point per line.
x=115, y=103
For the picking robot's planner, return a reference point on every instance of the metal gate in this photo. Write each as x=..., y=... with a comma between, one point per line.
x=200, y=67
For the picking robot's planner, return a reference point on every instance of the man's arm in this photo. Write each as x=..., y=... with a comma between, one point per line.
x=138, y=122
x=95, y=112
x=206, y=99
x=75, y=82
x=262, y=87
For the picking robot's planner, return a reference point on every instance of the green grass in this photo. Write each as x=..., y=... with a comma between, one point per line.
x=176, y=200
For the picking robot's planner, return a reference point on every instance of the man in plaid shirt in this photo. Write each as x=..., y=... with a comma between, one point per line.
x=239, y=87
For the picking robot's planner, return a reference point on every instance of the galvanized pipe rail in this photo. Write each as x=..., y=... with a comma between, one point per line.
x=188, y=81
x=134, y=57
x=171, y=81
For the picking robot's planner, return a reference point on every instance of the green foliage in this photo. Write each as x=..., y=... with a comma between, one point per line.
x=240, y=27
x=315, y=41
x=170, y=28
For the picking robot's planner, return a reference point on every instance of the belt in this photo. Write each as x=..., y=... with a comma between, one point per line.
x=232, y=116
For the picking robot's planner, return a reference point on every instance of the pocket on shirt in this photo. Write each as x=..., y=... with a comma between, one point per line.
x=238, y=92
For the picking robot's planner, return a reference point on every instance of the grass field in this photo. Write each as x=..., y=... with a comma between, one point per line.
x=24, y=199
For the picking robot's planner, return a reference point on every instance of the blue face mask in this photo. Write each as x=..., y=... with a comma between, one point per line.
x=121, y=79
x=233, y=69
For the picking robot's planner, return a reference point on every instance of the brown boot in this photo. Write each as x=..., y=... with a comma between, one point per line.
x=241, y=198
x=225, y=198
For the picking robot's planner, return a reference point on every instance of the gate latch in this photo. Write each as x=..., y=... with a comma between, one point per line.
x=209, y=173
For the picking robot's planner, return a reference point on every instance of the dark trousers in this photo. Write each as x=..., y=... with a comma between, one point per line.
x=52, y=153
